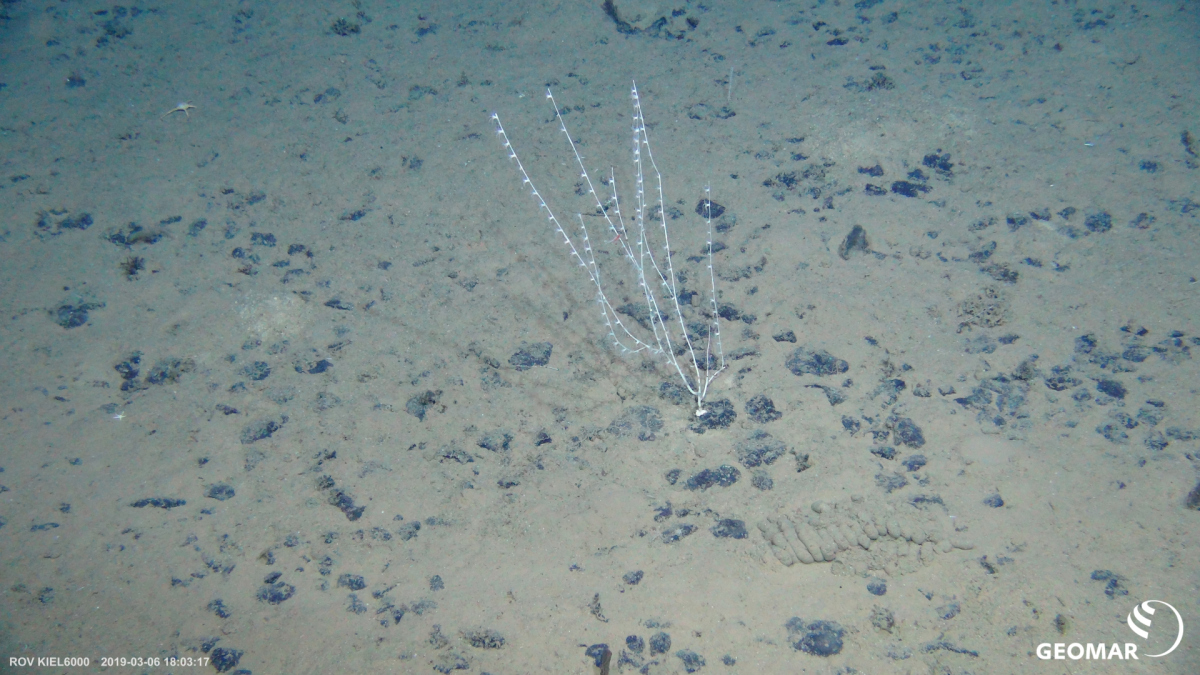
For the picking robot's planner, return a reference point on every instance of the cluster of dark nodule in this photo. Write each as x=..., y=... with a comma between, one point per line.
x=639, y=653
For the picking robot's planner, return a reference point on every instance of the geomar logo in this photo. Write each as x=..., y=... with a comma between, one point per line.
x=1139, y=622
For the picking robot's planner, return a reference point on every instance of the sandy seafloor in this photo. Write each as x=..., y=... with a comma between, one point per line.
x=332, y=247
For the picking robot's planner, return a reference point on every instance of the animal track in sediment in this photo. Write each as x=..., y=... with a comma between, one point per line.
x=860, y=536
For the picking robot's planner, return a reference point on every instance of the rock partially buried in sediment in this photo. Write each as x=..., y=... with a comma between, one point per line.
x=805, y=361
